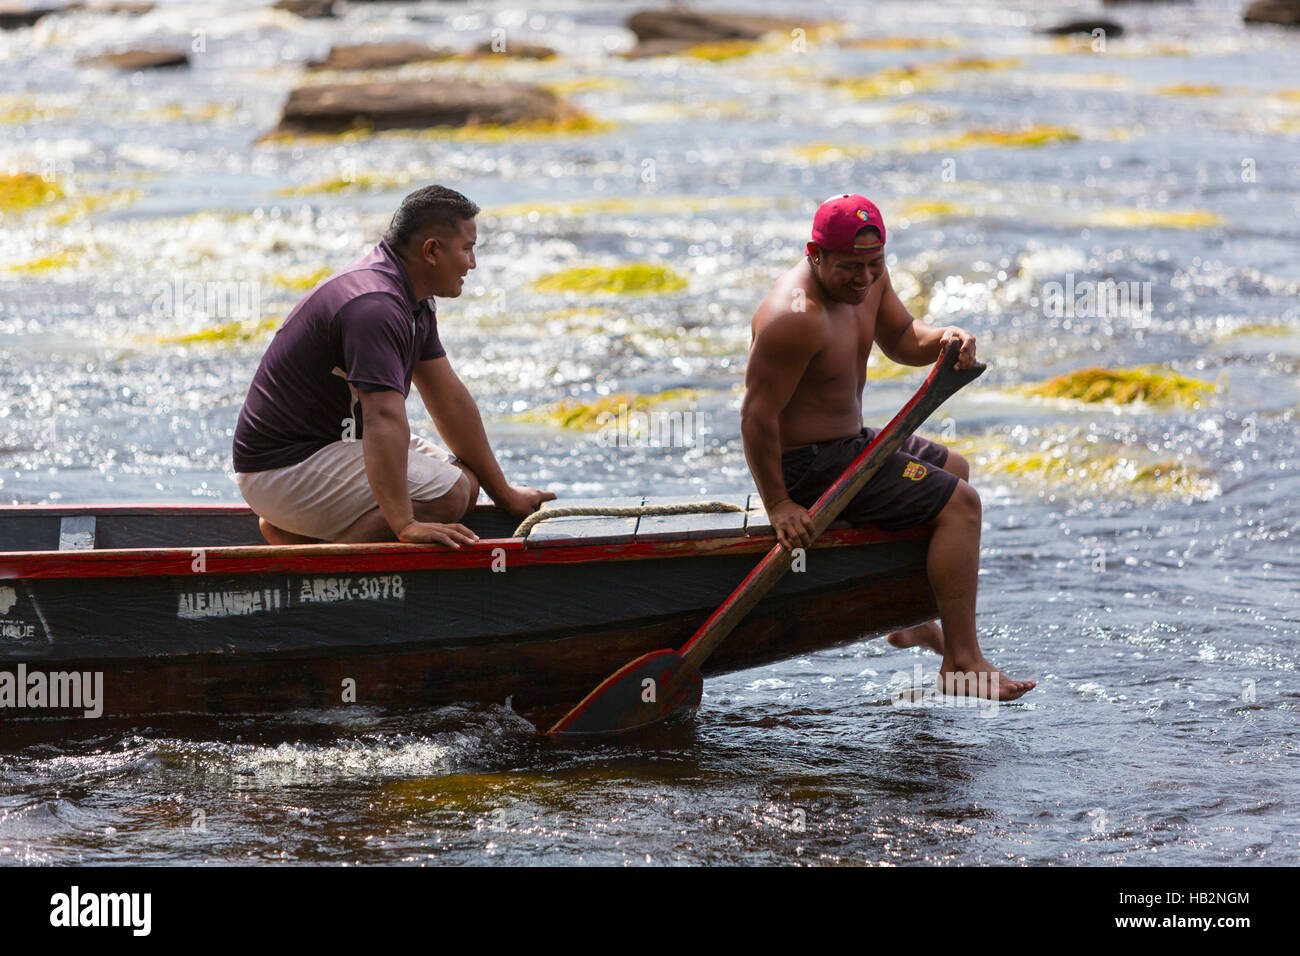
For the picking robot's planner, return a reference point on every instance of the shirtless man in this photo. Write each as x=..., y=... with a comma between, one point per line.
x=801, y=424
x=323, y=450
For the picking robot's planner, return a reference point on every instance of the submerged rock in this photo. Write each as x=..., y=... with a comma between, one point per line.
x=307, y=9
x=378, y=56
x=1108, y=27
x=144, y=59
x=112, y=6
x=519, y=51
x=15, y=18
x=337, y=108
x=663, y=32
x=1282, y=12
x=701, y=27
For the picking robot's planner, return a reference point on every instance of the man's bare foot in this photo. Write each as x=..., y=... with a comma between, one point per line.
x=274, y=535
x=981, y=680
x=929, y=634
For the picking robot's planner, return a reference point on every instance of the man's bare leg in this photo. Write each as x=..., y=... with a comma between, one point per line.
x=930, y=634
x=952, y=565
x=274, y=535
x=450, y=508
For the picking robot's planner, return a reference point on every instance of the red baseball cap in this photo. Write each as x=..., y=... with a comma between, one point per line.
x=839, y=220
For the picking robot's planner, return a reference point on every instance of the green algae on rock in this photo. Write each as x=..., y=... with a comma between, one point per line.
x=303, y=280
x=39, y=265
x=917, y=77
x=1040, y=135
x=84, y=204
x=354, y=183
x=628, y=205
x=1154, y=218
x=589, y=416
x=1151, y=384
x=881, y=368
x=1269, y=329
x=1080, y=465
x=574, y=123
x=631, y=278
x=217, y=334
x=22, y=191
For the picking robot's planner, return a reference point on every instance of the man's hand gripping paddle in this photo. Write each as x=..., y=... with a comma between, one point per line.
x=665, y=686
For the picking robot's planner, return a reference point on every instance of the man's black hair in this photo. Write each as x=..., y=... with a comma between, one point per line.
x=428, y=206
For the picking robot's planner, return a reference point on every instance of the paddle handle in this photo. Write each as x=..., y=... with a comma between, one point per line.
x=944, y=380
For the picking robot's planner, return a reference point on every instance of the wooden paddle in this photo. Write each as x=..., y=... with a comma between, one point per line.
x=665, y=685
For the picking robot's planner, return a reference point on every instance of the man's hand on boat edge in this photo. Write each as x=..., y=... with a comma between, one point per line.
x=792, y=523
x=519, y=502
x=431, y=532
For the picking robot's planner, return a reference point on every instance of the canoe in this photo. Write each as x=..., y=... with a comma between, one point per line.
x=184, y=610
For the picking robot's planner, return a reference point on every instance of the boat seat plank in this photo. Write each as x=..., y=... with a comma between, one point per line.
x=596, y=530
x=77, y=533
x=756, y=522
x=724, y=524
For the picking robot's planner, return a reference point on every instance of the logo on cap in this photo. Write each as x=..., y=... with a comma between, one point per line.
x=838, y=221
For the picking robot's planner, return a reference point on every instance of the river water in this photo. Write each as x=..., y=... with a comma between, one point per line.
x=1140, y=561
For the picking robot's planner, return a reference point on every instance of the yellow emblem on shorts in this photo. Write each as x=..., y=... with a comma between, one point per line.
x=914, y=470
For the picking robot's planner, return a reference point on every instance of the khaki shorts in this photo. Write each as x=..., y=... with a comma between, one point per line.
x=322, y=496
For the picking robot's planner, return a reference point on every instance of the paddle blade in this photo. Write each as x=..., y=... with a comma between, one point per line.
x=655, y=688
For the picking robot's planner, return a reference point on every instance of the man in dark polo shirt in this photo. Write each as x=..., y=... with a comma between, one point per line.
x=323, y=450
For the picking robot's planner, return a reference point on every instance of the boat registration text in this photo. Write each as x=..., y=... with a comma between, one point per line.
x=194, y=604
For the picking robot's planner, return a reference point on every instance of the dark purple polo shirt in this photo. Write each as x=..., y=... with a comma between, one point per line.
x=362, y=328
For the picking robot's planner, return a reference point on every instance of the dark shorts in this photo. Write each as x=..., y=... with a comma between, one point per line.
x=909, y=491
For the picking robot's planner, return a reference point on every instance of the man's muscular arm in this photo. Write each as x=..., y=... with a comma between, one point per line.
x=385, y=442
x=778, y=359
x=910, y=341
x=456, y=416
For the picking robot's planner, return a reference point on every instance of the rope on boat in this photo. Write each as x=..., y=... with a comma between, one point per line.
x=632, y=511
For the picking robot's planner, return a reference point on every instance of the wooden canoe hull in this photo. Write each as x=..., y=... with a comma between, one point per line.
x=250, y=630
x=539, y=677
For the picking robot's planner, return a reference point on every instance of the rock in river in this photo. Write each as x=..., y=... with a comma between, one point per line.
x=1282, y=12
x=307, y=9
x=15, y=18
x=144, y=59
x=378, y=56
x=519, y=51
x=112, y=6
x=699, y=26
x=660, y=32
x=1108, y=27
x=336, y=108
